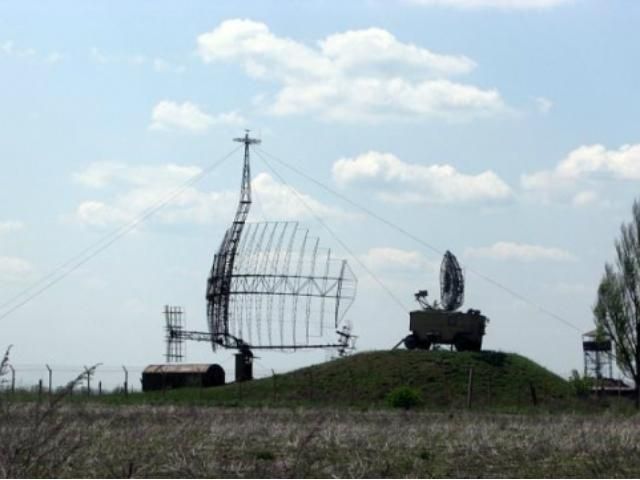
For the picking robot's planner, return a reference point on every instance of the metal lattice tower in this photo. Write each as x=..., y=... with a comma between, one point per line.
x=598, y=355
x=219, y=282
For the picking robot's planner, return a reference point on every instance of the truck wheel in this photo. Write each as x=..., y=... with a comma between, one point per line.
x=462, y=344
x=411, y=342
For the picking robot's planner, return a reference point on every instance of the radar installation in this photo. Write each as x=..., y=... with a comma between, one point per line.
x=272, y=286
x=451, y=286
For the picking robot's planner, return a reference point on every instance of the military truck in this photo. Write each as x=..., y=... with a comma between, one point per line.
x=434, y=326
x=442, y=323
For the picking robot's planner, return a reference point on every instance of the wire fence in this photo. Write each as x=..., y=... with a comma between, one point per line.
x=351, y=385
x=51, y=378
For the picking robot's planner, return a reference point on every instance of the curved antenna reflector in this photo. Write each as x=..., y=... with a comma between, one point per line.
x=451, y=283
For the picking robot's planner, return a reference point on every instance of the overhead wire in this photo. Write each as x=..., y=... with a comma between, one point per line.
x=419, y=240
x=75, y=262
x=334, y=235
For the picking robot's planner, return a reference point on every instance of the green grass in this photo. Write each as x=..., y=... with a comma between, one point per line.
x=501, y=381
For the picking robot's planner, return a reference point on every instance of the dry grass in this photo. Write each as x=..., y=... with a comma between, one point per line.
x=144, y=441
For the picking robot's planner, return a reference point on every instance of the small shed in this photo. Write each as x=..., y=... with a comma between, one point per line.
x=166, y=376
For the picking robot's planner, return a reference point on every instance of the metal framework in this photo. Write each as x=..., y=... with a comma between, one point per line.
x=451, y=283
x=271, y=286
x=286, y=290
x=598, y=355
x=219, y=282
x=174, y=318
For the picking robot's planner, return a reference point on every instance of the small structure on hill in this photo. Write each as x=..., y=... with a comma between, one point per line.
x=598, y=365
x=163, y=377
x=598, y=357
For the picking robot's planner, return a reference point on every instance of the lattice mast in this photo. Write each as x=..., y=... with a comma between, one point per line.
x=219, y=282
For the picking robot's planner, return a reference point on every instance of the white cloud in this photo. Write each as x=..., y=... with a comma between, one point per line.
x=140, y=188
x=10, y=226
x=162, y=65
x=168, y=115
x=355, y=75
x=395, y=259
x=10, y=49
x=501, y=4
x=158, y=64
x=544, y=105
x=14, y=269
x=417, y=183
x=520, y=252
x=584, y=167
x=54, y=58
x=281, y=203
x=582, y=199
x=101, y=174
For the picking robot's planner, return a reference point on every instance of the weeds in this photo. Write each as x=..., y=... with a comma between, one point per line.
x=35, y=438
x=162, y=441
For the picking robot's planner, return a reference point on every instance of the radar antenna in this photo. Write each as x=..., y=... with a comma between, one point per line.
x=451, y=283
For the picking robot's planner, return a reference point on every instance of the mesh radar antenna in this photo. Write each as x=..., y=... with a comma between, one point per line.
x=451, y=283
x=272, y=285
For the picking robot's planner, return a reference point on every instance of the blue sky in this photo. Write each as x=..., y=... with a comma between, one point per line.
x=505, y=131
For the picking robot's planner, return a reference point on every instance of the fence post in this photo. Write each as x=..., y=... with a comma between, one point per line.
x=13, y=379
x=534, y=397
x=39, y=389
x=100, y=387
x=310, y=379
x=470, y=388
x=88, y=373
x=351, y=385
x=126, y=381
x=50, y=376
x=275, y=386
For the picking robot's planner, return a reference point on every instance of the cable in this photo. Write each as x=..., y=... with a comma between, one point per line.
x=422, y=242
x=333, y=234
x=102, y=244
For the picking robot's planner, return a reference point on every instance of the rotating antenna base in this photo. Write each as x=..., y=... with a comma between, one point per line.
x=244, y=363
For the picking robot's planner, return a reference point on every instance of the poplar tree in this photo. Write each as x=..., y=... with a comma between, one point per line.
x=617, y=308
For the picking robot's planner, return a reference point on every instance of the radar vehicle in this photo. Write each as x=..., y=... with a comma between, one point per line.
x=442, y=323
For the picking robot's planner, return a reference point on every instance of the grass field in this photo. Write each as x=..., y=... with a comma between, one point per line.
x=91, y=440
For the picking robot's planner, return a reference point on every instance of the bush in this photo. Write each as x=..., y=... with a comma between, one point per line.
x=404, y=397
x=581, y=385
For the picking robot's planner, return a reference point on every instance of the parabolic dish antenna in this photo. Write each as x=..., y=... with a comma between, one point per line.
x=451, y=283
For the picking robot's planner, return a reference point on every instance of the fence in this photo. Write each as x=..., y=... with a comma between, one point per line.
x=91, y=380
x=355, y=386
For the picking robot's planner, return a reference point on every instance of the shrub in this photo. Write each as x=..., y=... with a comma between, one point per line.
x=581, y=385
x=404, y=397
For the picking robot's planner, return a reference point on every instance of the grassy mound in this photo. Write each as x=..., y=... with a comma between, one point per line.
x=500, y=380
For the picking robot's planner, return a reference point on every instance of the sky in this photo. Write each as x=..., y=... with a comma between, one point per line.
x=505, y=131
